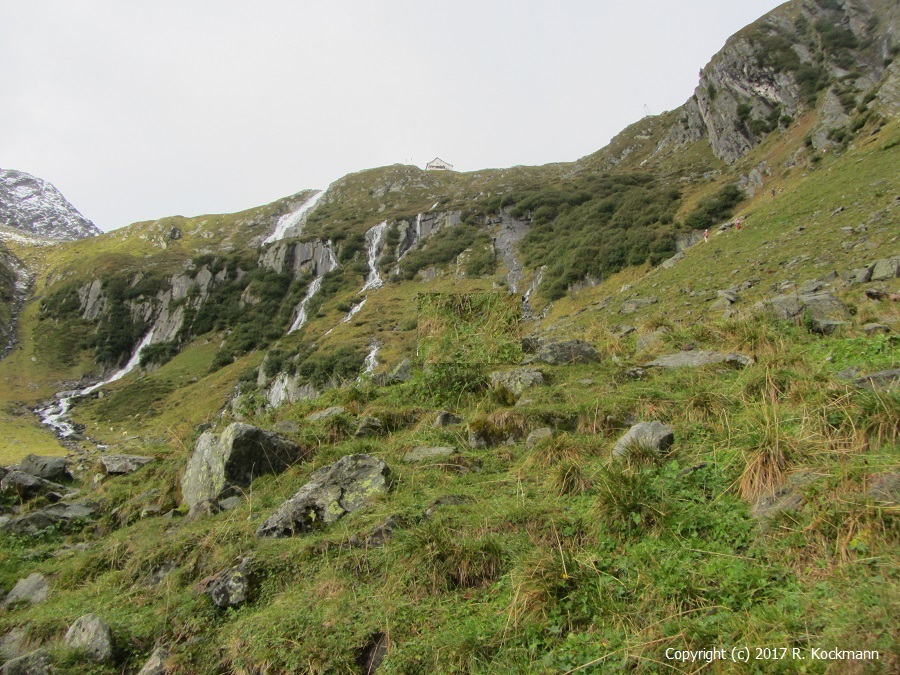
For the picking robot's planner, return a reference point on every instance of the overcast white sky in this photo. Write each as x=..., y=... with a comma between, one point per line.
x=138, y=110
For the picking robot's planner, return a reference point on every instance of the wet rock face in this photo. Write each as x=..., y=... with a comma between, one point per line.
x=332, y=492
x=235, y=458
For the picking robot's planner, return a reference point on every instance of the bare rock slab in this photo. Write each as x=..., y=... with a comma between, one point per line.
x=61, y=515
x=123, y=464
x=698, y=358
x=156, y=664
x=332, y=492
x=235, y=458
x=31, y=590
x=567, y=352
x=653, y=435
x=48, y=468
x=90, y=635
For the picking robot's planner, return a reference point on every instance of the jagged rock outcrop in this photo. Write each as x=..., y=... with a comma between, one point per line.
x=299, y=257
x=233, y=459
x=33, y=205
x=332, y=492
x=770, y=73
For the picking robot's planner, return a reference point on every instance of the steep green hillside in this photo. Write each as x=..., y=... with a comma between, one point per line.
x=512, y=536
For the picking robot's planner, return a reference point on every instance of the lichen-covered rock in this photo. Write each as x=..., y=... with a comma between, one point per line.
x=37, y=662
x=332, y=492
x=235, y=458
x=446, y=419
x=814, y=305
x=537, y=436
x=233, y=587
x=32, y=590
x=886, y=269
x=90, y=635
x=514, y=382
x=123, y=464
x=653, y=435
x=567, y=352
x=48, y=468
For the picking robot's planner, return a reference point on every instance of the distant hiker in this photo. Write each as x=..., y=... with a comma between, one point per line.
x=738, y=223
x=706, y=236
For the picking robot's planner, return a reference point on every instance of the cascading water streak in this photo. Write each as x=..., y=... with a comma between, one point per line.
x=56, y=414
x=289, y=220
x=314, y=286
x=374, y=243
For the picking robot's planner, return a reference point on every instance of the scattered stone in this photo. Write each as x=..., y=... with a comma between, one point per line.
x=515, y=382
x=241, y=454
x=24, y=486
x=233, y=586
x=861, y=275
x=230, y=503
x=333, y=491
x=446, y=419
x=204, y=508
x=884, y=488
x=884, y=379
x=31, y=590
x=402, y=373
x=567, y=352
x=826, y=326
x=634, y=304
x=477, y=440
x=691, y=469
x=91, y=635
x=370, y=426
x=333, y=411
x=48, y=468
x=379, y=535
x=886, y=269
x=158, y=574
x=156, y=664
x=653, y=435
x=423, y=452
x=123, y=464
x=670, y=262
x=624, y=330
x=871, y=328
x=650, y=340
x=728, y=295
x=37, y=662
x=537, y=436
x=817, y=305
x=697, y=358
x=13, y=643
x=63, y=516
x=635, y=373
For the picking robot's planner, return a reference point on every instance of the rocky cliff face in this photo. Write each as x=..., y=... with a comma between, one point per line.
x=835, y=56
x=36, y=207
x=15, y=281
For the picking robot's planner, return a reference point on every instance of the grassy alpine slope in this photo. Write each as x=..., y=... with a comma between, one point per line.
x=772, y=520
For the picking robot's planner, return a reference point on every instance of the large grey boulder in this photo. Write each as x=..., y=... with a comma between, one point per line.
x=332, y=492
x=123, y=464
x=697, y=358
x=235, y=458
x=514, y=382
x=90, y=635
x=48, y=468
x=816, y=305
x=62, y=515
x=654, y=436
x=567, y=352
x=25, y=486
x=13, y=643
x=886, y=269
x=37, y=662
x=31, y=590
